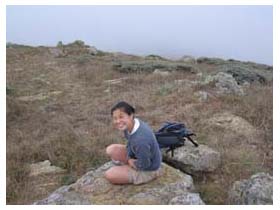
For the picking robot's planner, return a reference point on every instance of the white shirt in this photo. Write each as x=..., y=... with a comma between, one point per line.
x=135, y=127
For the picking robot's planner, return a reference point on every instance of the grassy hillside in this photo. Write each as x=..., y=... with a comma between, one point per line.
x=58, y=108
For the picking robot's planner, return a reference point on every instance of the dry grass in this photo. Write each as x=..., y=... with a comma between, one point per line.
x=72, y=129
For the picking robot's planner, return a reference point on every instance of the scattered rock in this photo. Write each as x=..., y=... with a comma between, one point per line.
x=188, y=59
x=93, y=188
x=202, y=95
x=93, y=50
x=44, y=167
x=161, y=73
x=185, y=82
x=115, y=81
x=256, y=190
x=191, y=159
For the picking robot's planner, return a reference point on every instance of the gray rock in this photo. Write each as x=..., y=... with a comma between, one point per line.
x=64, y=196
x=226, y=84
x=186, y=82
x=93, y=188
x=114, y=81
x=202, y=96
x=256, y=190
x=187, y=199
x=44, y=167
x=247, y=72
x=188, y=59
x=161, y=73
x=92, y=50
x=192, y=159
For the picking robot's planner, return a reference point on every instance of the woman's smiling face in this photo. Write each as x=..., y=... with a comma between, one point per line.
x=122, y=121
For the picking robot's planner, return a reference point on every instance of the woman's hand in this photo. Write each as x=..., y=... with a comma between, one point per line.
x=131, y=163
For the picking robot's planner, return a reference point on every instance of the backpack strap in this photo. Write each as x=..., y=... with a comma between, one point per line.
x=171, y=148
x=191, y=140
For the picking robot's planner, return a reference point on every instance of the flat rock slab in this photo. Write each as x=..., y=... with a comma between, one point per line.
x=93, y=188
x=191, y=159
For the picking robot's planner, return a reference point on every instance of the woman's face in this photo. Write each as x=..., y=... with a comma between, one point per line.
x=122, y=121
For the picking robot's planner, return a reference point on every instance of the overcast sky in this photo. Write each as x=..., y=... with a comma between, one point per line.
x=238, y=32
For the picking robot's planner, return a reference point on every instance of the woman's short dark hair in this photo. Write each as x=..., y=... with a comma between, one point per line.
x=122, y=105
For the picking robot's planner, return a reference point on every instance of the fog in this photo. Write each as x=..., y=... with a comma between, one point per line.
x=238, y=32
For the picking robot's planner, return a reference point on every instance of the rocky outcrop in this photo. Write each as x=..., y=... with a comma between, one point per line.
x=256, y=190
x=150, y=66
x=192, y=160
x=225, y=84
x=244, y=74
x=211, y=61
x=173, y=187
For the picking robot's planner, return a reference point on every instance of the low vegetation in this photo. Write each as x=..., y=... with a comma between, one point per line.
x=73, y=127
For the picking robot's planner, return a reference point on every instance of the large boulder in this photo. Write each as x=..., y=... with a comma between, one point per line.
x=256, y=190
x=226, y=84
x=93, y=188
x=230, y=122
x=194, y=160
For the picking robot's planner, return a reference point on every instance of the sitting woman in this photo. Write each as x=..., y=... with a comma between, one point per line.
x=139, y=161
